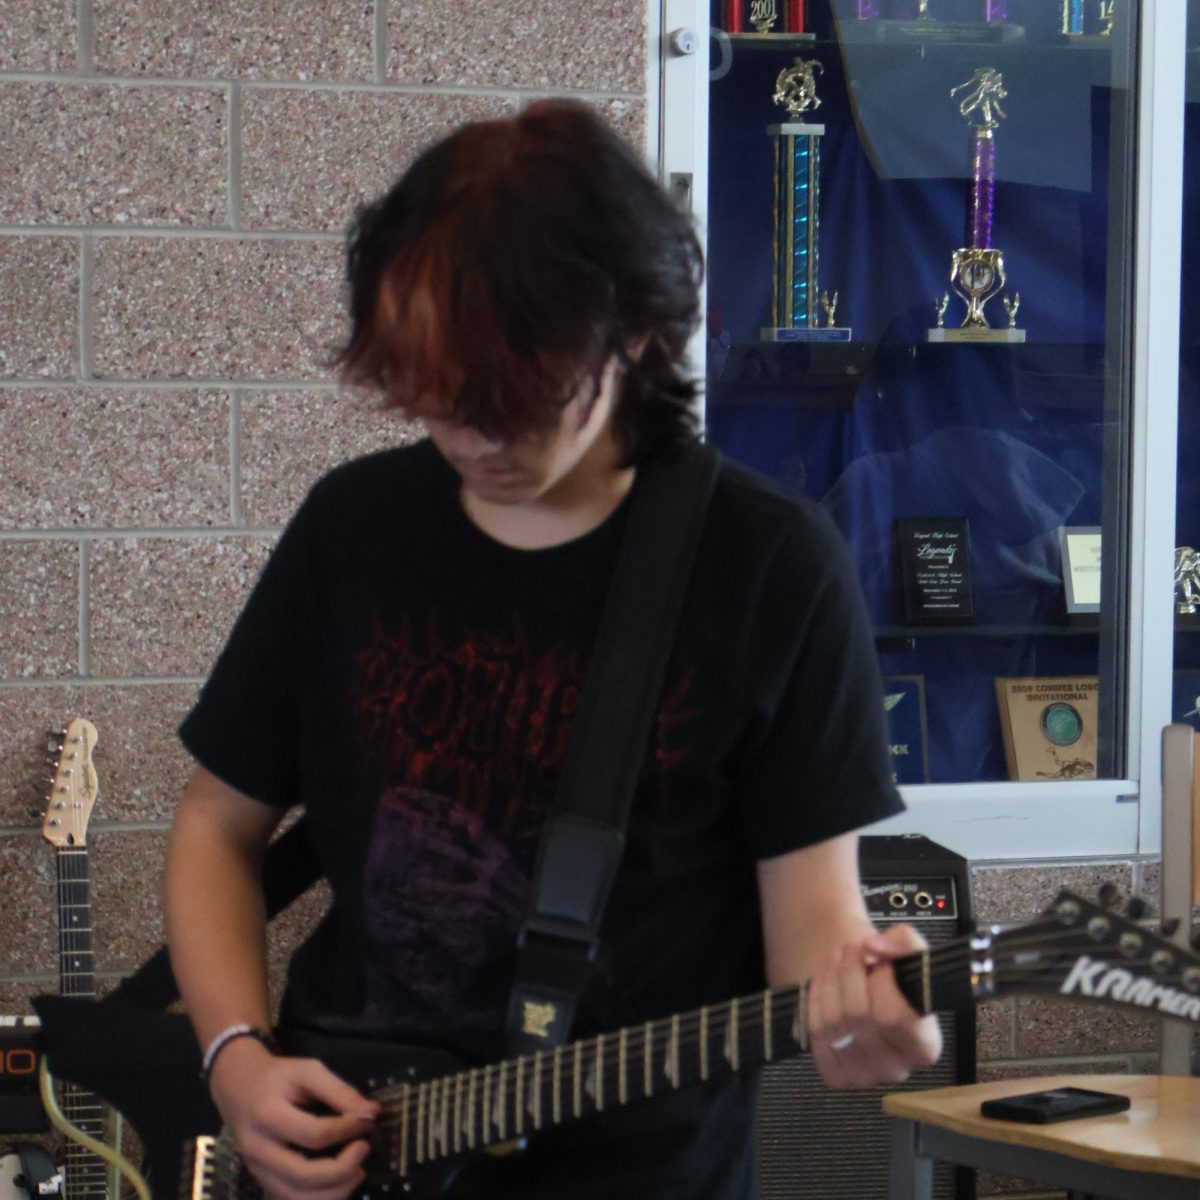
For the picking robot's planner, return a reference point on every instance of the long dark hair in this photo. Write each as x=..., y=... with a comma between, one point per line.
x=509, y=263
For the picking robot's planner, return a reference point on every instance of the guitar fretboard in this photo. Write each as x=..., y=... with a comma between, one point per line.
x=425, y=1122
x=86, y=1173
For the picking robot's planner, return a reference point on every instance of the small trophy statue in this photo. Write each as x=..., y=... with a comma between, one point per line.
x=939, y=307
x=1187, y=580
x=796, y=297
x=977, y=269
x=764, y=15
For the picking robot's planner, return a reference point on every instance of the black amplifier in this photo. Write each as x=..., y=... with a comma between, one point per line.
x=21, y=1109
x=818, y=1144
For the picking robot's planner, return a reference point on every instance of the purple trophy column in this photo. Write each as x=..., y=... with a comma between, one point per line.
x=995, y=10
x=983, y=192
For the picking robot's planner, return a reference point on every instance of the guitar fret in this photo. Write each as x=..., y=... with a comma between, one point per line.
x=486, y=1106
x=556, y=1087
x=598, y=1073
x=471, y=1110
x=420, y=1131
x=404, y=1131
x=431, y=1129
x=444, y=1123
x=519, y=1100
x=622, y=1073
x=768, y=1037
x=576, y=1093
x=458, y=1086
x=498, y=1116
x=672, y=1061
x=732, y=1038
x=648, y=1059
x=800, y=1023
x=535, y=1097
x=704, y=1044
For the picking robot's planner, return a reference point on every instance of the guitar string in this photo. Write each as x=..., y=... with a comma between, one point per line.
x=668, y=1038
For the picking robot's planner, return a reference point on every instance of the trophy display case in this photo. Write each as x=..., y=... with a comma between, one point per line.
x=1185, y=690
x=927, y=313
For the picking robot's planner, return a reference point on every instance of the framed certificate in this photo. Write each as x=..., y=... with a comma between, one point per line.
x=1080, y=549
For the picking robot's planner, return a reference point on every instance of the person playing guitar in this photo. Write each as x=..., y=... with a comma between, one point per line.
x=407, y=668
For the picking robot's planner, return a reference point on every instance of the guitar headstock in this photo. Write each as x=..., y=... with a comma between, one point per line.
x=73, y=792
x=1087, y=952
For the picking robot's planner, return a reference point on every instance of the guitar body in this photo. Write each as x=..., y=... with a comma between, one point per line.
x=435, y=1114
x=371, y=1067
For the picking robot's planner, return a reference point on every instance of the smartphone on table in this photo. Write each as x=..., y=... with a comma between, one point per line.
x=1054, y=1104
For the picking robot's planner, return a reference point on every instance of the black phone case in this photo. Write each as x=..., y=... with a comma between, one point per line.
x=1054, y=1104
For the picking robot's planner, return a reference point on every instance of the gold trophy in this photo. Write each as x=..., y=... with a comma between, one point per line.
x=977, y=269
x=800, y=310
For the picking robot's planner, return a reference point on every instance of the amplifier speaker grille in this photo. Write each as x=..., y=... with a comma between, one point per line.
x=818, y=1144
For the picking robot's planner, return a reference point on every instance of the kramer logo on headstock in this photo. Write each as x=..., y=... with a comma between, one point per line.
x=1099, y=980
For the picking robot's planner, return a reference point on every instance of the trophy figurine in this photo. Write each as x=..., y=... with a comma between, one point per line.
x=1187, y=580
x=764, y=15
x=977, y=269
x=797, y=302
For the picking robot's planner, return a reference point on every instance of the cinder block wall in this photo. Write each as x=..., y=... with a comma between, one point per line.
x=177, y=178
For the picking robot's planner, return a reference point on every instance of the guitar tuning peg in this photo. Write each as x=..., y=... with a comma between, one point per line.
x=1170, y=927
x=1137, y=908
x=1109, y=895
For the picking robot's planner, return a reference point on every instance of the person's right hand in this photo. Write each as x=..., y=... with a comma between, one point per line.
x=301, y=1130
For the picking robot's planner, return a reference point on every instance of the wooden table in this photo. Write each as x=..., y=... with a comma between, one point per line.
x=1150, y=1152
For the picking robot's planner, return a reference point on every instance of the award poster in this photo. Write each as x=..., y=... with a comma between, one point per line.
x=908, y=737
x=935, y=569
x=1049, y=726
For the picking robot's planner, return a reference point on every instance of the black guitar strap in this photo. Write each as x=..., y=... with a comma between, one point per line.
x=583, y=840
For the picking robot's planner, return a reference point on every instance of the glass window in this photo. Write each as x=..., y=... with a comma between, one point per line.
x=920, y=245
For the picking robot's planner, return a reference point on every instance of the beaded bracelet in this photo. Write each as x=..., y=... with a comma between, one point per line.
x=262, y=1036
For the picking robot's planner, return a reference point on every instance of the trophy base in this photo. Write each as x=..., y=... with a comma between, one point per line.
x=1086, y=39
x=771, y=37
x=973, y=32
x=806, y=333
x=1000, y=337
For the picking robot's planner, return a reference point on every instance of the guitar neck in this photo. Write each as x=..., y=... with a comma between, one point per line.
x=76, y=959
x=86, y=1174
x=455, y=1114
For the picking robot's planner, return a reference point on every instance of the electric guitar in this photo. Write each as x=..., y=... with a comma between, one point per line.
x=435, y=1113
x=68, y=809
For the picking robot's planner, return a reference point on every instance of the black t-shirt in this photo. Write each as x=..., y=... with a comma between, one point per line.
x=412, y=684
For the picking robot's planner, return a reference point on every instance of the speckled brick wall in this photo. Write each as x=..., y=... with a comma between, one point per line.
x=177, y=178
x=177, y=181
